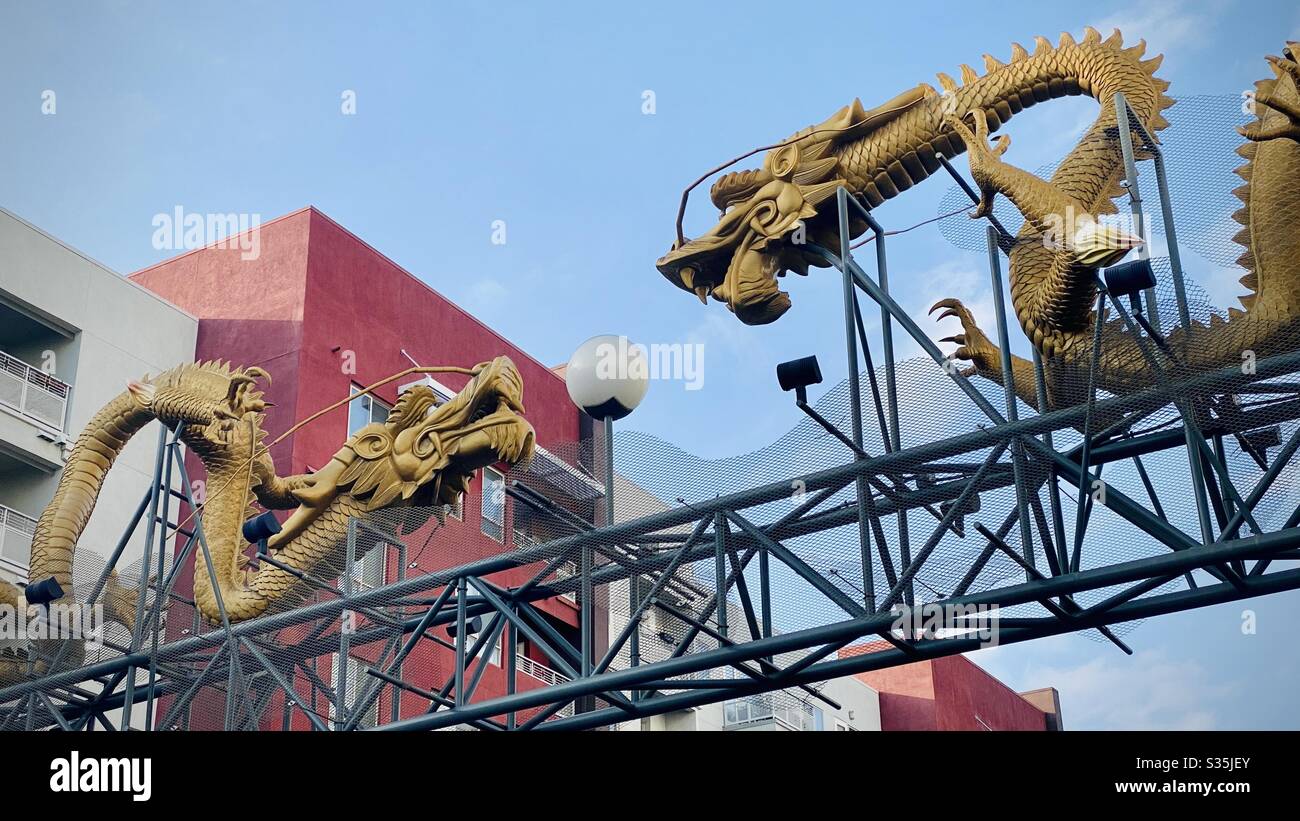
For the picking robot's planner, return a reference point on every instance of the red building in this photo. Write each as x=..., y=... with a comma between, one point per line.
x=952, y=693
x=324, y=313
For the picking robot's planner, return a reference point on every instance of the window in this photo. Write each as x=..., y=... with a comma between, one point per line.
x=354, y=687
x=441, y=391
x=364, y=409
x=494, y=504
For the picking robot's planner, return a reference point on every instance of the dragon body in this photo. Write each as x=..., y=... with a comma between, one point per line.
x=771, y=215
x=424, y=454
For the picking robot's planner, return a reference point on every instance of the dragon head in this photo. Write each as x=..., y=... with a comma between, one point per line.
x=769, y=215
x=424, y=453
x=211, y=395
x=479, y=426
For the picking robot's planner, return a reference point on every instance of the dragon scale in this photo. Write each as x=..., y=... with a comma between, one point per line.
x=423, y=455
x=878, y=154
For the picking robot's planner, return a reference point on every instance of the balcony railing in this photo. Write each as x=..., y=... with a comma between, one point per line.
x=567, y=570
x=545, y=674
x=16, y=532
x=760, y=708
x=33, y=392
x=540, y=671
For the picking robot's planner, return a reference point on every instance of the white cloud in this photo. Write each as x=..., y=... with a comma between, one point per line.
x=1166, y=25
x=962, y=279
x=487, y=293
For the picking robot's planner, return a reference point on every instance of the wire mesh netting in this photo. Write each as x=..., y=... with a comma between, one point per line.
x=944, y=520
x=375, y=664
x=1200, y=150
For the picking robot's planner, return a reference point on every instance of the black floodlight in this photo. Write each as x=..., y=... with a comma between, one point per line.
x=797, y=374
x=1264, y=438
x=43, y=592
x=261, y=527
x=472, y=626
x=1130, y=278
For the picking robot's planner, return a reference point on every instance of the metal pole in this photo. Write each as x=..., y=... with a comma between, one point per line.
x=1053, y=489
x=855, y=399
x=512, y=662
x=144, y=569
x=461, y=591
x=891, y=384
x=720, y=569
x=588, y=604
x=159, y=591
x=1008, y=386
x=1135, y=199
x=345, y=634
x=1082, y=506
x=395, y=706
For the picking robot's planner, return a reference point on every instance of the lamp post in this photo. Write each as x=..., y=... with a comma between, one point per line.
x=607, y=378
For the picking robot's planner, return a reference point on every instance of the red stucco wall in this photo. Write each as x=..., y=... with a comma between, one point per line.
x=315, y=295
x=949, y=693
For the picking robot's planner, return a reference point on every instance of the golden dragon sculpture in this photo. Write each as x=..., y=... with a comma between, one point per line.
x=769, y=215
x=423, y=455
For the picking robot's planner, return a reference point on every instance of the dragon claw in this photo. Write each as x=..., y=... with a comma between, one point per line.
x=1289, y=126
x=973, y=345
x=982, y=155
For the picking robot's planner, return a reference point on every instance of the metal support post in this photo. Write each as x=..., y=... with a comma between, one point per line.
x=1008, y=386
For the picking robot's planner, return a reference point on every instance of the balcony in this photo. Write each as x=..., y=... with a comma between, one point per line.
x=16, y=532
x=546, y=675
x=539, y=671
x=768, y=712
x=32, y=393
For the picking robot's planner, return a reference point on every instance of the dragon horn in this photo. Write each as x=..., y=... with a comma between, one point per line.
x=258, y=373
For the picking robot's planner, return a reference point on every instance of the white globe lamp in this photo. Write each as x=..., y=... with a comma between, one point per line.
x=607, y=376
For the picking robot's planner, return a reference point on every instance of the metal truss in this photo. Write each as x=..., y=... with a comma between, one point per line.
x=734, y=532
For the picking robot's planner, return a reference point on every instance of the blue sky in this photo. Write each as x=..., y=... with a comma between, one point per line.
x=533, y=114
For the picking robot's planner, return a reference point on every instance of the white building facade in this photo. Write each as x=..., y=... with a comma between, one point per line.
x=72, y=333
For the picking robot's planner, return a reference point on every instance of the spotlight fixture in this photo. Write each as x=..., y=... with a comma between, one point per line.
x=473, y=626
x=797, y=374
x=971, y=505
x=43, y=592
x=1264, y=438
x=1256, y=443
x=1130, y=278
x=260, y=528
